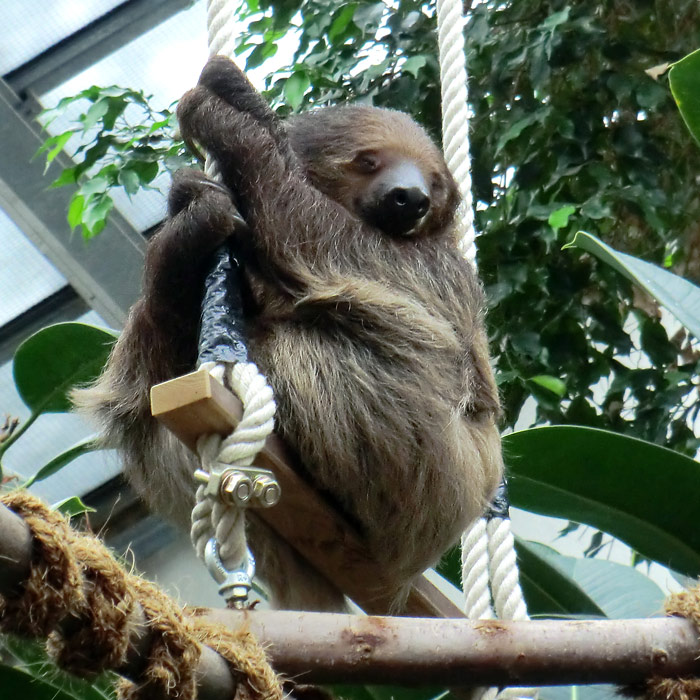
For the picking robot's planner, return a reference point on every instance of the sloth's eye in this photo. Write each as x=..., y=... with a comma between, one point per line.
x=367, y=162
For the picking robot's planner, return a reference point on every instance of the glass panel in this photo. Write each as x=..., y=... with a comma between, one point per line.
x=32, y=27
x=26, y=276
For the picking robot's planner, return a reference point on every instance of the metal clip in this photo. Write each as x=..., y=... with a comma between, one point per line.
x=234, y=586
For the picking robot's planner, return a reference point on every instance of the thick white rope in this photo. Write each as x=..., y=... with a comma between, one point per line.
x=475, y=572
x=489, y=567
x=211, y=517
x=455, y=114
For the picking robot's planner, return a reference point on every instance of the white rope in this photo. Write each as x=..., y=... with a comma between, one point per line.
x=221, y=26
x=475, y=572
x=211, y=517
x=455, y=114
x=489, y=567
x=507, y=595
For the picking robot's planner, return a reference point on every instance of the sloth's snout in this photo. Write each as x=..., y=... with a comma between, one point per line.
x=407, y=204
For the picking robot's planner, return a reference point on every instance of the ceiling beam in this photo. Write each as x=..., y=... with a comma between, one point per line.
x=88, y=45
x=106, y=271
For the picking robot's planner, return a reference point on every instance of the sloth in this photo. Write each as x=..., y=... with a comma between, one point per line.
x=359, y=309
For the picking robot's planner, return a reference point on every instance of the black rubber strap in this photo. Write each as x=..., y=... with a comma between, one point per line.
x=222, y=328
x=500, y=505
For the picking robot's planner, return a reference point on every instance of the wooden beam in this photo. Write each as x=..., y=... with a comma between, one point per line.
x=197, y=404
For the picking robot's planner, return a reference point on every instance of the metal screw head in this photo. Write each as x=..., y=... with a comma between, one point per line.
x=267, y=491
x=236, y=488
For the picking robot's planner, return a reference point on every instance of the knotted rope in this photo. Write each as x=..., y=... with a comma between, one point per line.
x=74, y=578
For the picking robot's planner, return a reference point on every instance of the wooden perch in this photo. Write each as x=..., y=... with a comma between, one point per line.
x=322, y=647
x=197, y=404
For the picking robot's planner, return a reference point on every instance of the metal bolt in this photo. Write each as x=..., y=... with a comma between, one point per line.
x=267, y=491
x=236, y=488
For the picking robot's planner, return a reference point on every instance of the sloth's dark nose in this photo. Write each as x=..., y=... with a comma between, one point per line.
x=408, y=204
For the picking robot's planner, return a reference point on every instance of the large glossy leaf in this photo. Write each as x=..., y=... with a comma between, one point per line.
x=684, y=78
x=619, y=591
x=18, y=684
x=55, y=359
x=680, y=297
x=548, y=588
x=643, y=494
x=579, y=692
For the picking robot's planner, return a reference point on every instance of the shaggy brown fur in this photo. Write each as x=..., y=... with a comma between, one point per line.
x=371, y=338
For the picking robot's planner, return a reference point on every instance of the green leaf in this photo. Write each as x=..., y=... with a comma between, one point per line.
x=16, y=683
x=684, y=78
x=60, y=461
x=341, y=21
x=413, y=64
x=295, y=87
x=554, y=384
x=32, y=660
x=515, y=129
x=72, y=507
x=129, y=180
x=75, y=210
x=260, y=54
x=560, y=218
x=68, y=177
x=641, y=493
x=95, y=214
x=548, y=588
x=146, y=170
x=60, y=141
x=619, y=591
x=677, y=295
x=94, y=185
x=55, y=359
x=95, y=113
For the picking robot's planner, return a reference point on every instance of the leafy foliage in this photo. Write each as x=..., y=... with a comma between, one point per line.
x=123, y=142
x=678, y=296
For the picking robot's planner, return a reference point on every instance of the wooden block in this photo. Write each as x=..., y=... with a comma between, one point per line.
x=197, y=404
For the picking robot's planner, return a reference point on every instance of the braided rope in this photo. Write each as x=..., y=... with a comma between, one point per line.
x=503, y=571
x=475, y=572
x=221, y=25
x=489, y=567
x=455, y=114
x=508, y=598
x=211, y=517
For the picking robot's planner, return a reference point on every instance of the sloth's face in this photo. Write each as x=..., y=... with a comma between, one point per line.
x=391, y=191
x=380, y=165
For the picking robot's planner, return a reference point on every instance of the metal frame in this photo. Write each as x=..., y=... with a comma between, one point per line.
x=94, y=41
x=105, y=272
